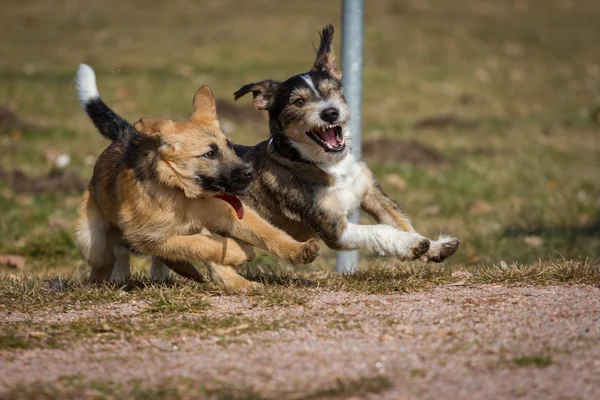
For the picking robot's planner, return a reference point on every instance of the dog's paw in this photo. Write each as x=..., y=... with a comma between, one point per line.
x=441, y=249
x=308, y=252
x=238, y=253
x=419, y=247
x=242, y=285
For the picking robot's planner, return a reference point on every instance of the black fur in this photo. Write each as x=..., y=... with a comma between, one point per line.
x=279, y=144
x=322, y=63
x=109, y=124
x=232, y=181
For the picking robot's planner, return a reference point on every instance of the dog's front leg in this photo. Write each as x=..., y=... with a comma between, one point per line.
x=258, y=232
x=339, y=234
x=383, y=239
x=223, y=275
x=387, y=211
x=199, y=247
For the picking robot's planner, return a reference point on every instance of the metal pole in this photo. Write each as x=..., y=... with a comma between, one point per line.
x=352, y=62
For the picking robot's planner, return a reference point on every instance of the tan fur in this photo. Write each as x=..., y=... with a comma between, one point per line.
x=157, y=207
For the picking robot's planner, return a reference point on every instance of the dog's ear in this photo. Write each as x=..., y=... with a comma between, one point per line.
x=147, y=126
x=263, y=93
x=205, y=107
x=325, y=56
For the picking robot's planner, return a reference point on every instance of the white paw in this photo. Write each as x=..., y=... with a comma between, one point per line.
x=408, y=245
x=419, y=246
x=441, y=249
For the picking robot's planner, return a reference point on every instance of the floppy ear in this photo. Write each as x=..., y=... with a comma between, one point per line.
x=147, y=126
x=263, y=93
x=325, y=56
x=205, y=107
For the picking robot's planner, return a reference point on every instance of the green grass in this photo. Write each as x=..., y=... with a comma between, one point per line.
x=537, y=361
x=9, y=342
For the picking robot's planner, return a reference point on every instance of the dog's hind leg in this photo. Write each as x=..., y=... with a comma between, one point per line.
x=95, y=238
x=121, y=271
x=159, y=270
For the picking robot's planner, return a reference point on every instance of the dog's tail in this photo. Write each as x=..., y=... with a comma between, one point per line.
x=110, y=125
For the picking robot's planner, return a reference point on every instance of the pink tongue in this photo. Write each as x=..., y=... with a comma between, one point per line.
x=235, y=203
x=329, y=136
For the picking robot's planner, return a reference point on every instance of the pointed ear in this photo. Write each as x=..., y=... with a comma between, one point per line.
x=325, y=56
x=205, y=107
x=147, y=126
x=263, y=93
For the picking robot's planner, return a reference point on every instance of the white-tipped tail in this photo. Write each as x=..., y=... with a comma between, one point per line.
x=85, y=82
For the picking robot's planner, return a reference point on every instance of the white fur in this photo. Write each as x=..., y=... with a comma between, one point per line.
x=85, y=82
x=349, y=182
x=437, y=246
x=159, y=271
x=121, y=271
x=382, y=239
x=90, y=236
x=349, y=188
x=310, y=84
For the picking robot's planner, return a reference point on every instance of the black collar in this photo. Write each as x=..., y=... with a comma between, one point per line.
x=279, y=144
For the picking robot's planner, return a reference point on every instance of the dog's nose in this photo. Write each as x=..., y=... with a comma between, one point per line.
x=243, y=174
x=330, y=114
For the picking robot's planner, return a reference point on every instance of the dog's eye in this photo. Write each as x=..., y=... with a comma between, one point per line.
x=210, y=155
x=299, y=102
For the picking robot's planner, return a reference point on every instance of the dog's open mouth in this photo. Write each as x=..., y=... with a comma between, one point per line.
x=330, y=138
x=235, y=202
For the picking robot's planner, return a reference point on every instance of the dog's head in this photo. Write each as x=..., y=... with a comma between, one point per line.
x=309, y=108
x=196, y=156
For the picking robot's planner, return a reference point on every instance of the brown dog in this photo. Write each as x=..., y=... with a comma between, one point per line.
x=168, y=189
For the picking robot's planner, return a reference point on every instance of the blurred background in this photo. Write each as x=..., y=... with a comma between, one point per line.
x=481, y=117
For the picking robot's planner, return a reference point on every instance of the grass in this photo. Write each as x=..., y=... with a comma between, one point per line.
x=281, y=287
x=180, y=389
x=185, y=388
x=537, y=361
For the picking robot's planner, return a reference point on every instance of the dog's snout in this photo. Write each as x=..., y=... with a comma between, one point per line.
x=330, y=114
x=245, y=174
x=248, y=174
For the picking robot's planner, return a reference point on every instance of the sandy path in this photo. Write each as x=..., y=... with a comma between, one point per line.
x=451, y=342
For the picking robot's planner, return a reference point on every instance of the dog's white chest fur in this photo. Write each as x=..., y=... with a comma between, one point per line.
x=349, y=182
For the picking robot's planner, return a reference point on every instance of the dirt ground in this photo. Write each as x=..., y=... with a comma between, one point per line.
x=483, y=341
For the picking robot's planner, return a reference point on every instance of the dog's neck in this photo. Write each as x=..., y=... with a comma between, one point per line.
x=280, y=145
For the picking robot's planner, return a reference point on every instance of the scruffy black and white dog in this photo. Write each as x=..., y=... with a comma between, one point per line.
x=308, y=181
